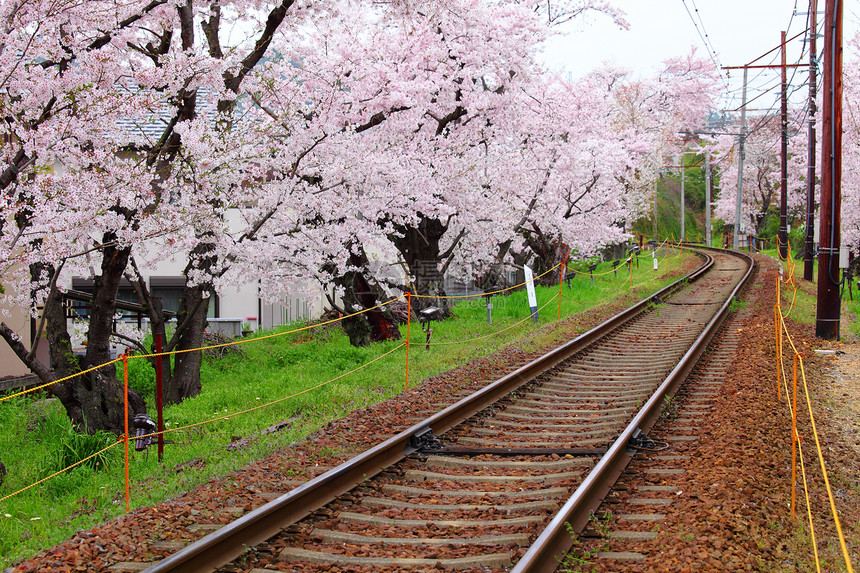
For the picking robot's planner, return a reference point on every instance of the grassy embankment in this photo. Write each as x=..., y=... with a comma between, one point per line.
x=36, y=438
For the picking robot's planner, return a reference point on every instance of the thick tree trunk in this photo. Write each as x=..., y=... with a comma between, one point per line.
x=359, y=293
x=547, y=252
x=184, y=381
x=97, y=395
x=93, y=401
x=419, y=247
x=105, y=287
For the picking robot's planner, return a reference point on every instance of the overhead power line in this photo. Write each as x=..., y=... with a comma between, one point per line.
x=704, y=36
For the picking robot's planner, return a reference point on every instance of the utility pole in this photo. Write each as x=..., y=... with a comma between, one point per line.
x=683, y=201
x=743, y=135
x=743, y=109
x=654, y=211
x=810, y=169
x=782, y=235
x=707, y=198
x=828, y=307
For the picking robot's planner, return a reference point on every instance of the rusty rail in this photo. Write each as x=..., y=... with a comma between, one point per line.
x=544, y=554
x=229, y=542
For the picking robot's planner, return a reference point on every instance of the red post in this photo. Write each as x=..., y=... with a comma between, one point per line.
x=408, y=323
x=560, y=280
x=125, y=402
x=159, y=395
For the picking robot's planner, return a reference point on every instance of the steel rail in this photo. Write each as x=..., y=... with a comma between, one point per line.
x=556, y=539
x=229, y=542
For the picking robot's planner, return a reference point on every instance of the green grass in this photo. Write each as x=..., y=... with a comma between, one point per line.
x=35, y=434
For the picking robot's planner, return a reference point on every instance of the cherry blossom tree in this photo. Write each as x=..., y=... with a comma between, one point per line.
x=851, y=148
x=763, y=173
x=411, y=129
x=84, y=186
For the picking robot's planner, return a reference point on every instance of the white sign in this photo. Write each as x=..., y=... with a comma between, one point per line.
x=530, y=289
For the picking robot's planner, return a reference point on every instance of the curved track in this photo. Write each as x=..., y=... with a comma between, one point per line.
x=501, y=478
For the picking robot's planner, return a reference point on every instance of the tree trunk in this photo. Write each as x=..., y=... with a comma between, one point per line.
x=184, y=381
x=105, y=287
x=93, y=401
x=547, y=253
x=419, y=247
x=359, y=293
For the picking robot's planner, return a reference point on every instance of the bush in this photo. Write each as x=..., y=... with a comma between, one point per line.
x=75, y=446
x=141, y=378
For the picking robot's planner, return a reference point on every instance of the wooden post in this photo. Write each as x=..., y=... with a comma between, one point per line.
x=828, y=306
x=159, y=396
x=408, y=323
x=560, y=280
x=125, y=403
x=808, y=261
x=783, y=187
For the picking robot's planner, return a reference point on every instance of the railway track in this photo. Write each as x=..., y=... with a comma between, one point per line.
x=501, y=479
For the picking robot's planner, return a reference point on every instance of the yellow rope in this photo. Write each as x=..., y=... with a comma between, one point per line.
x=278, y=401
x=220, y=418
x=802, y=470
x=457, y=296
x=818, y=448
x=55, y=474
x=824, y=471
x=529, y=317
x=233, y=343
x=258, y=338
x=9, y=397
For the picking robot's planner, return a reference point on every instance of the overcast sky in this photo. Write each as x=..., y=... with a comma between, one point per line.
x=739, y=31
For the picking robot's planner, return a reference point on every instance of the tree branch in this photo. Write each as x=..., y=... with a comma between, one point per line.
x=14, y=342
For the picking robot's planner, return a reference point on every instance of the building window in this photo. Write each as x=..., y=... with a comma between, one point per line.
x=170, y=290
x=125, y=293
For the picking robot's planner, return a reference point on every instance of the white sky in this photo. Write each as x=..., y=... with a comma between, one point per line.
x=739, y=30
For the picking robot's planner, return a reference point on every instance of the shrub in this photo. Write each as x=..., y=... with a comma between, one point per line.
x=75, y=446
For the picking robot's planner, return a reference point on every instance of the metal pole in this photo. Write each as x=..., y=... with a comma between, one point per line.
x=737, y=241
x=810, y=173
x=707, y=199
x=683, y=206
x=827, y=310
x=654, y=211
x=782, y=235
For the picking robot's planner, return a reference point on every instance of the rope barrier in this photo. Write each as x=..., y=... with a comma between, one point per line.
x=172, y=352
x=258, y=338
x=782, y=328
x=55, y=474
x=276, y=335
x=796, y=440
x=483, y=336
x=125, y=438
x=64, y=379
